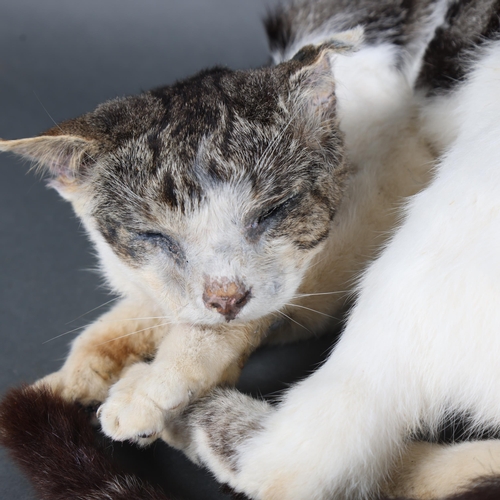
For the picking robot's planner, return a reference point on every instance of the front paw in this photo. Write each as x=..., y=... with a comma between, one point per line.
x=83, y=382
x=141, y=402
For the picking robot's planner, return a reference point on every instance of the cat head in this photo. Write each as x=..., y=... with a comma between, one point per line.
x=211, y=196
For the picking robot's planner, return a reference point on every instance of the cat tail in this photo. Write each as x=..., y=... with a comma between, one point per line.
x=53, y=442
x=487, y=489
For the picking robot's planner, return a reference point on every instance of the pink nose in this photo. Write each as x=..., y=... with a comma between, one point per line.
x=226, y=297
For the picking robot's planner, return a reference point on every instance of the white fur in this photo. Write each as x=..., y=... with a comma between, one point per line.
x=422, y=339
x=377, y=110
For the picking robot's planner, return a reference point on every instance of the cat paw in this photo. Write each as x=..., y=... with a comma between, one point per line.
x=140, y=404
x=83, y=384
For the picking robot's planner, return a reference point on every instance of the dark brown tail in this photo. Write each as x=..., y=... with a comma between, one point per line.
x=53, y=442
x=485, y=489
x=489, y=489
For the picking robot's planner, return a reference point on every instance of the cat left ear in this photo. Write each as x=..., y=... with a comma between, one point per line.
x=311, y=77
x=64, y=157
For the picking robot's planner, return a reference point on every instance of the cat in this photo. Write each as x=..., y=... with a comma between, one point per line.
x=220, y=207
x=230, y=201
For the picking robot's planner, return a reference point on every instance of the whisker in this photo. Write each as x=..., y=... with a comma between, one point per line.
x=55, y=123
x=313, y=310
x=92, y=310
x=137, y=319
x=296, y=322
x=65, y=333
x=317, y=263
x=320, y=293
x=133, y=333
x=106, y=321
x=48, y=114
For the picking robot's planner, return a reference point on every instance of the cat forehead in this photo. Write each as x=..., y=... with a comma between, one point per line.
x=190, y=108
x=146, y=176
x=212, y=127
x=166, y=166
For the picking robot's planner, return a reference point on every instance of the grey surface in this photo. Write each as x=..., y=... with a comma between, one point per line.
x=58, y=59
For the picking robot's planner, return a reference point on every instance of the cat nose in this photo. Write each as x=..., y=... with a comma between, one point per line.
x=226, y=297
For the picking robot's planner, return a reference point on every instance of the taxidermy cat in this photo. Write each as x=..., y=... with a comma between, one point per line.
x=237, y=207
x=231, y=207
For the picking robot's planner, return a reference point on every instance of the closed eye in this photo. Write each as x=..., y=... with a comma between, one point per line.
x=164, y=242
x=270, y=216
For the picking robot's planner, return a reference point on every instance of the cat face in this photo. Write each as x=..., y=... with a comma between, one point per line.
x=210, y=196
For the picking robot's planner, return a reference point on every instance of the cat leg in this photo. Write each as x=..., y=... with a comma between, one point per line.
x=128, y=333
x=189, y=362
x=421, y=341
x=320, y=441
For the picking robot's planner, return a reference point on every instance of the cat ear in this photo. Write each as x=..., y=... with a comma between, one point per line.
x=312, y=81
x=64, y=157
x=344, y=42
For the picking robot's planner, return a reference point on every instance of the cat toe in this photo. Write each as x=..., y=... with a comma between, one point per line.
x=131, y=417
x=142, y=402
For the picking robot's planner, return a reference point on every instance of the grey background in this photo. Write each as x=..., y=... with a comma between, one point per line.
x=58, y=59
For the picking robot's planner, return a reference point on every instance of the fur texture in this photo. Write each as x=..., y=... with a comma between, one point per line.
x=39, y=427
x=212, y=204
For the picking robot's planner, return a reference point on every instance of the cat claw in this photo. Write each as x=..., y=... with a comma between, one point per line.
x=147, y=435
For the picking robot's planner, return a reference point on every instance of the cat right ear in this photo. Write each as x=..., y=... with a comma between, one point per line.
x=64, y=157
x=311, y=81
x=343, y=42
